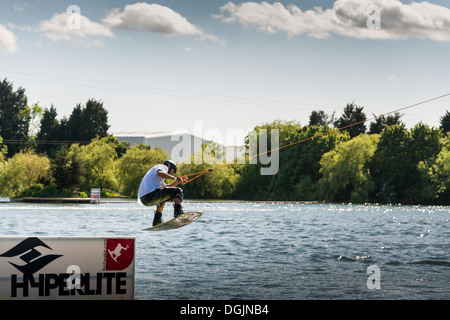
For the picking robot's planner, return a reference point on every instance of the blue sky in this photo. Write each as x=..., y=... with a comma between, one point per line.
x=229, y=65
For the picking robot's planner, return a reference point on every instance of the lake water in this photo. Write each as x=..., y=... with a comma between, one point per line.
x=240, y=250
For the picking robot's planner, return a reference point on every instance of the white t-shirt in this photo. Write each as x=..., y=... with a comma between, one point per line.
x=151, y=180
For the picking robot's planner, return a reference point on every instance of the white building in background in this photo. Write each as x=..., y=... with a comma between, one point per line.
x=179, y=145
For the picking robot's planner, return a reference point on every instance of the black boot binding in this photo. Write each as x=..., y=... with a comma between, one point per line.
x=157, y=219
x=177, y=210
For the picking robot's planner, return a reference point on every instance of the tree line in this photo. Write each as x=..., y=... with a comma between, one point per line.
x=381, y=162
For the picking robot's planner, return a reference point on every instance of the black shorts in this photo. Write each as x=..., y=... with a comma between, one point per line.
x=160, y=196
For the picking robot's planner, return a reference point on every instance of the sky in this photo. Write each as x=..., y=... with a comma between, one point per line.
x=219, y=68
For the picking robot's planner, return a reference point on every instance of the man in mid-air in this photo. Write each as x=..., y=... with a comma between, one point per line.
x=154, y=191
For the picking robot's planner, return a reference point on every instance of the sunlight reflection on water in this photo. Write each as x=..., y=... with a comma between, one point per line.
x=240, y=250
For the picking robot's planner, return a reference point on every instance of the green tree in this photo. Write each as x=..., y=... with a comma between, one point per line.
x=423, y=146
x=445, y=122
x=98, y=159
x=94, y=120
x=216, y=184
x=68, y=169
x=300, y=164
x=253, y=185
x=388, y=166
x=395, y=163
x=382, y=121
x=72, y=125
x=120, y=147
x=23, y=171
x=352, y=119
x=49, y=131
x=345, y=174
x=438, y=172
x=86, y=123
x=134, y=164
x=3, y=151
x=320, y=118
x=15, y=116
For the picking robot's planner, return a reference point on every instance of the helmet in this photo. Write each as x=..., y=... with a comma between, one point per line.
x=172, y=165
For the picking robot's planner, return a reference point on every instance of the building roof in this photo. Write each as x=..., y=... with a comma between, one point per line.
x=154, y=134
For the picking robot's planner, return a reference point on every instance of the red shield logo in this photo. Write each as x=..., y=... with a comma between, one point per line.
x=119, y=254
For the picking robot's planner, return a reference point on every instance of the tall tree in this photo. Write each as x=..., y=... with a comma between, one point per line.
x=352, y=119
x=382, y=121
x=22, y=171
x=3, y=151
x=390, y=167
x=49, y=131
x=98, y=159
x=345, y=175
x=94, y=120
x=14, y=116
x=73, y=125
x=439, y=174
x=298, y=172
x=395, y=162
x=87, y=123
x=68, y=170
x=320, y=118
x=445, y=122
x=299, y=164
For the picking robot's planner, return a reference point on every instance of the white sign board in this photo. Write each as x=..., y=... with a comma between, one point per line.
x=95, y=195
x=67, y=267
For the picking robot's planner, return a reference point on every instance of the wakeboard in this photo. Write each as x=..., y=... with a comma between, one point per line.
x=178, y=222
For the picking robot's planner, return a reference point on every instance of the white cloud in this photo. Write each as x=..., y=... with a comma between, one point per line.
x=142, y=17
x=151, y=18
x=347, y=18
x=154, y=18
x=8, y=41
x=76, y=29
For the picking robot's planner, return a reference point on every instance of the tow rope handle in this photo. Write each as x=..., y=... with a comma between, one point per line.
x=198, y=174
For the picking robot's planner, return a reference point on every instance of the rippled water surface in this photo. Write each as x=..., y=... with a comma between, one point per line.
x=240, y=250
